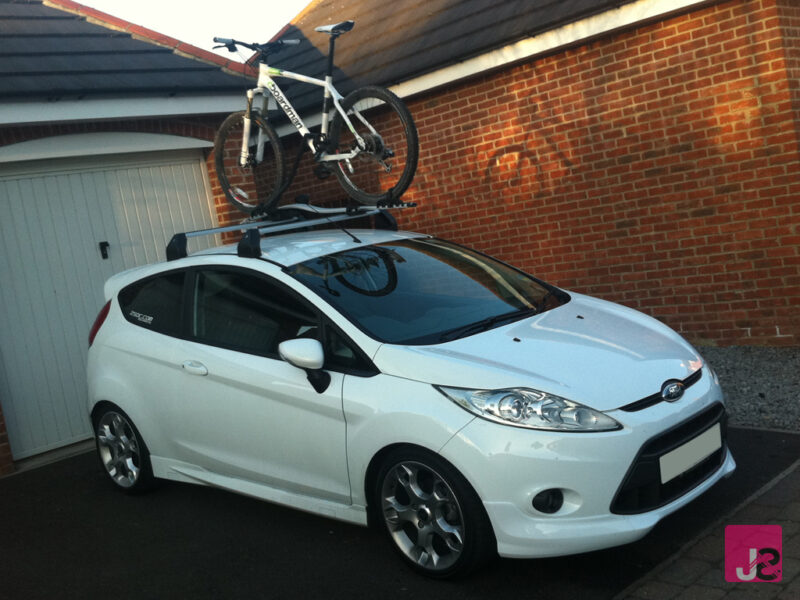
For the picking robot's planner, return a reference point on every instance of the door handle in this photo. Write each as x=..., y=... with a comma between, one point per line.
x=104, y=249
x=195, y=368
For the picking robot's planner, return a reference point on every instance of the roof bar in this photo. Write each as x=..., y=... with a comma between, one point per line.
x=296, y=218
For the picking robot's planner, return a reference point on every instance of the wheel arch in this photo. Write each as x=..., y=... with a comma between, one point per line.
x=97, y=409
x=374, y=466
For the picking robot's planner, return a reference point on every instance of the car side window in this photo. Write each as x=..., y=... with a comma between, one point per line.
x=244, y=312
x=155, y=303
x=342, y=356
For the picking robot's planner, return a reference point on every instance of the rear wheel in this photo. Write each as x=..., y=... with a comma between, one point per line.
x=384, y=169
x=260, y=179
x=122, y=451
x=432, y=515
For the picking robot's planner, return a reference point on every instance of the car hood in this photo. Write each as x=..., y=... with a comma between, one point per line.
x=591, y=351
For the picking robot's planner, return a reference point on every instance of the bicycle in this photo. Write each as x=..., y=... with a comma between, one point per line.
x=374, y=168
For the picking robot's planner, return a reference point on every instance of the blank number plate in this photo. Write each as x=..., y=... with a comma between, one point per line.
x=690, y=454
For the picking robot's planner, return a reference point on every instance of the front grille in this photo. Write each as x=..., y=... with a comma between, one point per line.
x=642, y=490
x=657, y=397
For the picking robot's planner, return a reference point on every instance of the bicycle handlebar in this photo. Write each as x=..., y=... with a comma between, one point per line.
x=266, y=48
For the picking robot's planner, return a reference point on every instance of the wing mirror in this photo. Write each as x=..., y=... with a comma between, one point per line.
x=307, y=354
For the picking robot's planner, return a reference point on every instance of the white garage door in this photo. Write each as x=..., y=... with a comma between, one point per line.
x=55, y=217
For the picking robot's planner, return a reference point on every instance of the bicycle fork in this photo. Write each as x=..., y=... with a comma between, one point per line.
x=244, y=155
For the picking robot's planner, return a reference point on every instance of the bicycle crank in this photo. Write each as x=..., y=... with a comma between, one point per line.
x=322, y=171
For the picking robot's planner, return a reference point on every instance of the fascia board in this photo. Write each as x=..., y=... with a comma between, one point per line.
x=624, y=17
x=94, y=109
x=96, y=144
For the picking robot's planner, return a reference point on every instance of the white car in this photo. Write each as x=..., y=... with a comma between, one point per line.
x=463, y=406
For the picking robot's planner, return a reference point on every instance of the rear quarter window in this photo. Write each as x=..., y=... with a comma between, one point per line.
x=155, y=303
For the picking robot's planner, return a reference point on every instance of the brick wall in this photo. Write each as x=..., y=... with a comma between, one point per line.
x=657, y=167
x=789, y=15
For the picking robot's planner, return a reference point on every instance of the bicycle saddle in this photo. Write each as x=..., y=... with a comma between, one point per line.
x=337, y=28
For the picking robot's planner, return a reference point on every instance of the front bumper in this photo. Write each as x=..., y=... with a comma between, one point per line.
x=509, y=466
x=521, y=536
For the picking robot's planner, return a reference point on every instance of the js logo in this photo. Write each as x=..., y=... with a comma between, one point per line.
x=753, y=553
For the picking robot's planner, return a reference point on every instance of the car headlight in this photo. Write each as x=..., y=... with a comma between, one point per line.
x=533, y=409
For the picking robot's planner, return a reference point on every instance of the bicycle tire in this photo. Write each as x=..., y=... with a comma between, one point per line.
x=369, y=183
x=255, y=184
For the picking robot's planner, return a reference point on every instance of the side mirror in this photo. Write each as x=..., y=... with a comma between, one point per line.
x=307, y=354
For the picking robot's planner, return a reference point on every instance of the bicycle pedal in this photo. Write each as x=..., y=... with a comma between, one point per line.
x=322, y=171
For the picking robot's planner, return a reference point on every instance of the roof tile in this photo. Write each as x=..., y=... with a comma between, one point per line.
x=100, y=55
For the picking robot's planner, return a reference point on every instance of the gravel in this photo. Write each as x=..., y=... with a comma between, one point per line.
x=761, y=385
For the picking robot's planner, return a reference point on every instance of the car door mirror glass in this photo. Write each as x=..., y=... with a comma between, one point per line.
x=306, y=354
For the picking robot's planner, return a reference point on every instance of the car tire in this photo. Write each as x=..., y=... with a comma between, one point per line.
x=122, y=452
x=431, y=514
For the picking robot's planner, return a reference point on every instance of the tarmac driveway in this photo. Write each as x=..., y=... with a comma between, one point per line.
x=65, y=533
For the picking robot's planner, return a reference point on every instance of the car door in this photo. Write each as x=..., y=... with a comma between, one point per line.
x=243, y=412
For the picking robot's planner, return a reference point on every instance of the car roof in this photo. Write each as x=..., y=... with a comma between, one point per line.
x=293, y=248
x=283, y=250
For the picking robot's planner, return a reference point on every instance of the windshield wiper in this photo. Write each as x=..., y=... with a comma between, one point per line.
x=486, y=324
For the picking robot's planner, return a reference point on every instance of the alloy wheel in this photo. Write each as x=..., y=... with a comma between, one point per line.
x=423, y=516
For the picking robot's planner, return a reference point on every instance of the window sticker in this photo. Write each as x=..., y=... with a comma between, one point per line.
x=146, y=319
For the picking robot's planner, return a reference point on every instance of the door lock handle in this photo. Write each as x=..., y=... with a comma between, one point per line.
x=104, y=249
x=195, y=368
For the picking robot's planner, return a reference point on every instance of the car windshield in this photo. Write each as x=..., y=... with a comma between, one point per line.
x=425, y=291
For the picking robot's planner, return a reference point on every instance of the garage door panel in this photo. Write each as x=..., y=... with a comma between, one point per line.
x=27, y=346
x=75, y=293
x=11, y=330
x=53, y=274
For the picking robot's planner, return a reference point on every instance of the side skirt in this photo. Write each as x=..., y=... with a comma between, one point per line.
x=186, y=473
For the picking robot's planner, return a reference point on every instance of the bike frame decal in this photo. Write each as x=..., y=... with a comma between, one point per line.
x=265, y=82
x=286, y=106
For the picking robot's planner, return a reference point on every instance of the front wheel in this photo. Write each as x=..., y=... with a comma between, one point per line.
x=381, y=170
x=432, y=515
x=258, y=179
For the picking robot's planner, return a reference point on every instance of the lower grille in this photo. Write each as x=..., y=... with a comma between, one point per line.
x=642, y=490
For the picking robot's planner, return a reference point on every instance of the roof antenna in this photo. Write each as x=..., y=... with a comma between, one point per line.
x=355, y=239
x=303, y=199
x=351, y=209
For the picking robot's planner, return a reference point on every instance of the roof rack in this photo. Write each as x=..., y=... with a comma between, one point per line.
x=286, y=218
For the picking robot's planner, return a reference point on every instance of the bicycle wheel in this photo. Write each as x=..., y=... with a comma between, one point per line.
x=382, y=171
x=260, y=179
x=367, y=271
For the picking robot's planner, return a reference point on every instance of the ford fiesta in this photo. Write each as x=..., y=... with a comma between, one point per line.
x=464, y=407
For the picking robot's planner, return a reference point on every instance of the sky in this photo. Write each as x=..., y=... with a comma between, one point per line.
x=192, y=21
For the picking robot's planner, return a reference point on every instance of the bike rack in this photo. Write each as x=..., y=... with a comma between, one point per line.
x=286, y=218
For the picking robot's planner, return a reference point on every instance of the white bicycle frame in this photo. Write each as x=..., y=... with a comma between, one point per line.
x=266, y=83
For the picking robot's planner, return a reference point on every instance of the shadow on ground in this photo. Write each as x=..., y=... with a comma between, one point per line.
x=65, y=533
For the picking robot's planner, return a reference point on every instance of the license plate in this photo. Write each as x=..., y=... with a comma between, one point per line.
x=690, y=454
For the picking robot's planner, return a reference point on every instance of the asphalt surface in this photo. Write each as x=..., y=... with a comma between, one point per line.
x=66, y=533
